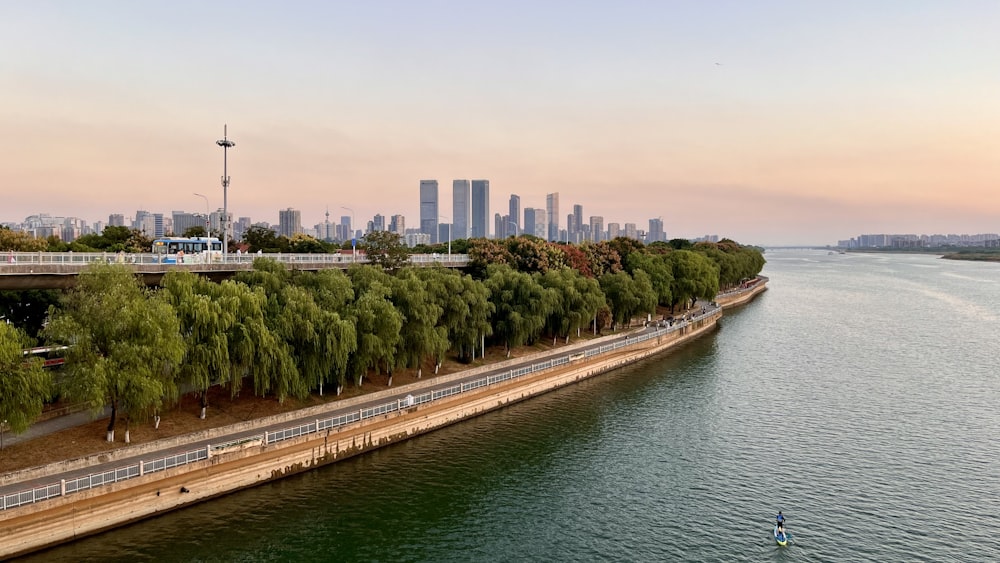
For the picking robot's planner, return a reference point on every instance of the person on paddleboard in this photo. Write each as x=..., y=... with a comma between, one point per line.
x=781, y=521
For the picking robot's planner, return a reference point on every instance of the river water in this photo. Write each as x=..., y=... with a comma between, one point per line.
x=859, y=395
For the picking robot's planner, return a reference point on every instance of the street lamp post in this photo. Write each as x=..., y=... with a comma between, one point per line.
x=354, y=240
x=208, y=227
x=449, y=234
x=226, y=144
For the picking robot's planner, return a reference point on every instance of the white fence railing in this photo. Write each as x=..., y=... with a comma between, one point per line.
x=65, y=487
x=82, y=259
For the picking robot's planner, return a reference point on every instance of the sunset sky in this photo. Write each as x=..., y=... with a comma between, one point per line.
x=769, y=122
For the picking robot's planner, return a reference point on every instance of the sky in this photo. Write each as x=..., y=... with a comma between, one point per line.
x=767, y=122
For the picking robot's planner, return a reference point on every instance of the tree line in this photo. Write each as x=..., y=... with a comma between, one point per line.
x=288, y=333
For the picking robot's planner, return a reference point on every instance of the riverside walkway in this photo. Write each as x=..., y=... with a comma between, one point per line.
x=37, y=485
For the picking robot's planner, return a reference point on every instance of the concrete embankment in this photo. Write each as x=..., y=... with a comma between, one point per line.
x=248, y=463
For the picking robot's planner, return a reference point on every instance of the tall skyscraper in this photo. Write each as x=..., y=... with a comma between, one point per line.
x=378, y=222
x=480, y=209
x=596, y=228
x=429, y=208
x=345, y=229
x=398, y=225
x=461, y=209
x=614, y=230
x=630, y=231
x=655, y=233
x=116, y=220
x=552, y=215
x=577, y=225
x=289, y=222
x=529, y=221
x=515, y=214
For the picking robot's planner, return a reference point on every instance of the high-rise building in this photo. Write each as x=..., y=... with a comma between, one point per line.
x=655, y=233
x=529, y=221
x=116, y=220
x=515, y=213
x=574, y=234
x=397, y=224
x=289, y=222
x=461, y=209
x=184, y=221
x=630, y=231
x=480, y=209
x=552, y=215
x=596, y=228
x=614, y=230
x=429, y=208
x=378, y=222
x=345, y=230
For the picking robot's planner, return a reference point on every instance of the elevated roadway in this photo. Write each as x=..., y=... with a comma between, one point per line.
x=58, y=270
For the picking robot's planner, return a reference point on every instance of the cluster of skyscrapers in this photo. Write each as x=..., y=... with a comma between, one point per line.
x=471, y=218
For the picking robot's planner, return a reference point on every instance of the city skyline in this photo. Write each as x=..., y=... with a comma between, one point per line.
x=771, y=123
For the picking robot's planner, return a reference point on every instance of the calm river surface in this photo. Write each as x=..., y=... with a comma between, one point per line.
x=859, y=395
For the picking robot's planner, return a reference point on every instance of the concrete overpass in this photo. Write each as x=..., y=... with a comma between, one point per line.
x=58, y=270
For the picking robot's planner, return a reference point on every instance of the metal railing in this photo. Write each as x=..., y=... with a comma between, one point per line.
x=145, y=467
x=82, y=259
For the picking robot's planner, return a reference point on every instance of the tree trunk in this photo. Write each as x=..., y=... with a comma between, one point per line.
x=204, y=404
x=340, y=389
x=320, y=387
x=420, y=372
x=390, y=380
x=111, y=422
x=127, y=439
x=156, y=422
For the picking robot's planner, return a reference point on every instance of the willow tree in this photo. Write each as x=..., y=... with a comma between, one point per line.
x=125, y=344
x=627, y=296
x=520, y=303
x=205, y=322
x=580, y=298
x=465, y=308
x=377, y=323
x=332, y=292
x=24, y=383
x=420, y=335
x=694, y=276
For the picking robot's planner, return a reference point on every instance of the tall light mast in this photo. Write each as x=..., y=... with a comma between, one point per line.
x=226, y=144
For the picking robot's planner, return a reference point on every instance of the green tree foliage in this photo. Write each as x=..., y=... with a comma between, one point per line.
x=305, y=244
x=20, y=241
x=627, y=296
x=27, y=309
x=421, y=336
x=465, y=308
x=125, y=345
x=679, y=243
x=577, y=300
x=113, y=239
x=625, y=246
x=385, y=250
x=521, y=305
x=377, y=322
x=659, y=271
x=602, y=257
x=284, y=377
x=263, y=239
x=528, y=254
x=24, y=384
x=205, y=322
x=484, y=252
x=694, y=276
x=195, y=231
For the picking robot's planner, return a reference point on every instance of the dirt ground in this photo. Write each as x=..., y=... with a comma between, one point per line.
x=223, y=410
